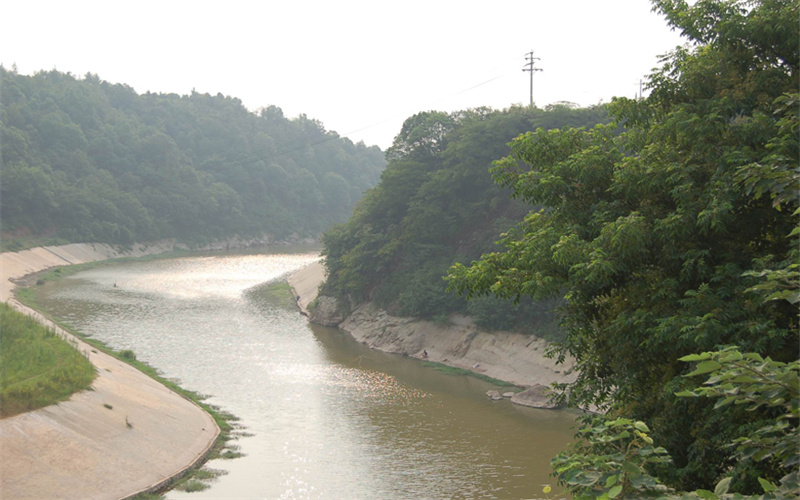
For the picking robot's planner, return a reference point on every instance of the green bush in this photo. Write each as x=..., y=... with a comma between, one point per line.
x=127, y=354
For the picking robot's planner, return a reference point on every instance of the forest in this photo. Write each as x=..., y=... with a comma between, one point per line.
x=665, y=234
x=87, y=160
x=436, y=205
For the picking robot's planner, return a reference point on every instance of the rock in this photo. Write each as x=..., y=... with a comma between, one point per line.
x=327, y=312
x=494, y=395
x=536, y=396
x=508, y=394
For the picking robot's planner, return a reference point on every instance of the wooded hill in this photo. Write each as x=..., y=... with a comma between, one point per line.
x=670, y=236
x=436, y=205
x=87, y=160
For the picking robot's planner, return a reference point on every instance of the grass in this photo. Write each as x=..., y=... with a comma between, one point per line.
x=37, y=367
x=273, y=294
x=199, y=479
x=451, y=370
x=279, y=291
x=192, y=485
x=148, y=496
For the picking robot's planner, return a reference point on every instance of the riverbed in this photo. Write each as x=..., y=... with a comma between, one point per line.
x=325, y=416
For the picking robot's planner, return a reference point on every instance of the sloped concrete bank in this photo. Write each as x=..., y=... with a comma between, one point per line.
x=127, y=435
x=511, y=357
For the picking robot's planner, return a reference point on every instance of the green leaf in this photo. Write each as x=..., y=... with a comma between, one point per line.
x=707, y=495
x=641, y=426
x=705, y=367
x=767, y=486
x=616, y=490
x=630, y=468
x=722, y=486
x=695, y=357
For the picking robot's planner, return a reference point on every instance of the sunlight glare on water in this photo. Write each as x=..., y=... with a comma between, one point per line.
x=325, y=416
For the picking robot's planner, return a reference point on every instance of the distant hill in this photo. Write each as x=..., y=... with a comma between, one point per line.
x=436, y=204
x=87, y=160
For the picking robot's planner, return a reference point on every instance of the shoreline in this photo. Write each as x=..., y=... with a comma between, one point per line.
x=128, y=434
x=510, y=357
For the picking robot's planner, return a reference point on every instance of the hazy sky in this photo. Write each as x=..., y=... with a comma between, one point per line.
x=360, y=67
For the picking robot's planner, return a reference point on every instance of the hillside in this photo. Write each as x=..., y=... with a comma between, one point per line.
x=436, y=205
x=87, y=160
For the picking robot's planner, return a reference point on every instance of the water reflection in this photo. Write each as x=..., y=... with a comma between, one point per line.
x=328, y=417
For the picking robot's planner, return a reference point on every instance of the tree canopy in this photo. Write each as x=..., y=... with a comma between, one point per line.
x=436, y=204
x=87, y=160
x=678, y=236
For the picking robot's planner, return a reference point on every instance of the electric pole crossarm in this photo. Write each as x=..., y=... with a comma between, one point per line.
x=529, y=67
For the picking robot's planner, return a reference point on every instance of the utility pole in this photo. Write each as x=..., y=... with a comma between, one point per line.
x=529, y=67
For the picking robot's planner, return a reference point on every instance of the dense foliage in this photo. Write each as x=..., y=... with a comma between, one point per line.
x=86, y=160
x=614, y=457
x=37, y=367
x=435, y=205
x=678, y=236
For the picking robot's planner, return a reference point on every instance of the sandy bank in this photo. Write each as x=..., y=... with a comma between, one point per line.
x=511, y=357
x=126, y=435
x=305, y=283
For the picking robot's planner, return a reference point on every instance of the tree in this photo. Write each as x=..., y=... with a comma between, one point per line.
x=423, y=135
x=659, y=239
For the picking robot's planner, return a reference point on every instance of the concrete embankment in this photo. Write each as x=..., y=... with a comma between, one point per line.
x=127, y=434
x=515, y=358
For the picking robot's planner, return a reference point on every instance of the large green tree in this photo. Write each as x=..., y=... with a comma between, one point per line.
x=665, y=240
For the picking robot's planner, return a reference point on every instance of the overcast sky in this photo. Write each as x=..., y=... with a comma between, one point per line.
x=359, y=67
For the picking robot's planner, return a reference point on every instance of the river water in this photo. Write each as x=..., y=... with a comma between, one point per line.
x=325, y=417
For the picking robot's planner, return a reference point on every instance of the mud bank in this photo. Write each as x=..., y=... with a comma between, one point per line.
x=511, y=357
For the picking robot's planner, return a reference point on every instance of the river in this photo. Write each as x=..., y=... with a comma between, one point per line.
x=325, y=417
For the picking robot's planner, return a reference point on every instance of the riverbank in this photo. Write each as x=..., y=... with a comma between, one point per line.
x=511, y=357
x=126, y=435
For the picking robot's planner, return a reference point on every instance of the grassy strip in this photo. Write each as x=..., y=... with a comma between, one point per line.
x=273, y=294
x=451, y=370
x=37, y=367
